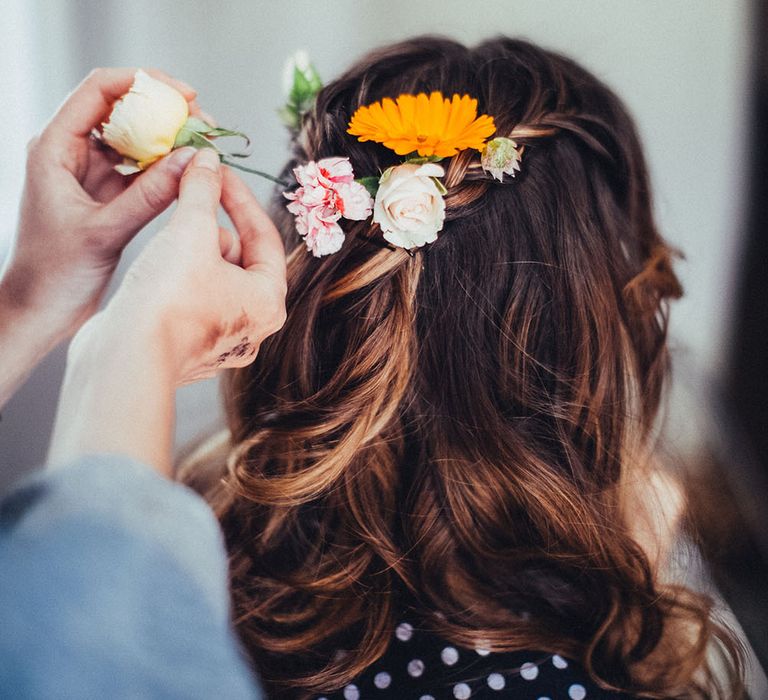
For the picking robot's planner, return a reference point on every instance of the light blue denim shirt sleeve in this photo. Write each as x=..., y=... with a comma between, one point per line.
x=113, y=584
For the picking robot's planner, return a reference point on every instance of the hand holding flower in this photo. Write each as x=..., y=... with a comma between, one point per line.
x=152, y=119
x=210, y=307
x=183, y=312
x=77, y=214
x=145, y=122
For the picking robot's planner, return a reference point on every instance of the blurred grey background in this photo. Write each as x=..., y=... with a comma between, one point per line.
x=683, y=67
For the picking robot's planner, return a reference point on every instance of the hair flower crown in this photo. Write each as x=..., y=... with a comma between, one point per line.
x=406, y=201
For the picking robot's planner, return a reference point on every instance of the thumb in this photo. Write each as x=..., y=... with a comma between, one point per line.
x=199, y=194
x=148, y=196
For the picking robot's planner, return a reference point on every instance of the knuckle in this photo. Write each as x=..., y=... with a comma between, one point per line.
x=276, y=317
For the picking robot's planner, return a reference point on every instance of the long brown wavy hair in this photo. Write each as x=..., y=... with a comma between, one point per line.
x=457, y=431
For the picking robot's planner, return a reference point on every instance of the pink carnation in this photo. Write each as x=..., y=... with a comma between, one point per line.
x=327, y=191
x=317, y=226
x=354, y=201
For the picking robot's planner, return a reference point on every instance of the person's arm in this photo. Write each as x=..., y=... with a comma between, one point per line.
x=76, y=216
x=113, y=580
x=113, y=585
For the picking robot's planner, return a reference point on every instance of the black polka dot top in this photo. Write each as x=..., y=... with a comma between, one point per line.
x=419, y=666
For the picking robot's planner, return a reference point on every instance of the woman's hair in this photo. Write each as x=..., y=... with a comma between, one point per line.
x=456, y=430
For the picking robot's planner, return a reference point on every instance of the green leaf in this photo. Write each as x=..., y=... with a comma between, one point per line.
x=199, y=134
x=289, y=116
x=192, y=126
x=315, y=82
x=183, y=138
x=420, y=160
x=440, y=186
x=199, y=141
x=198, y=125
x=213, y=132
x=301, y=98
x=301, y=86
x=370, y=183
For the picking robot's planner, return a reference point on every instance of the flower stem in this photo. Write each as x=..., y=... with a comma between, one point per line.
x=276, y=180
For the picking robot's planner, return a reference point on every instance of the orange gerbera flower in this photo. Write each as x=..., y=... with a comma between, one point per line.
x=430, y=126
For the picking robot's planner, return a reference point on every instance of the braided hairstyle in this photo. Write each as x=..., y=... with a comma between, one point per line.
x=454, y=430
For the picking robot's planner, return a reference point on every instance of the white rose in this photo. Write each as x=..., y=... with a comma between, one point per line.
x=145, y=122
x=409, y=205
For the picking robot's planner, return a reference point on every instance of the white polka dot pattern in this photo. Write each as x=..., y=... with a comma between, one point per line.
x=449, y=655
x=496, y=681
x=461, y=691
x=404, y=631
x=415, y=668
x=411, y=666
x=529, y=671
x=382, y=680
x=577, y=692
x=351, y=692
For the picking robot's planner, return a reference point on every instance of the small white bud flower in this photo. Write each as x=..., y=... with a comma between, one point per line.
x=500, y=157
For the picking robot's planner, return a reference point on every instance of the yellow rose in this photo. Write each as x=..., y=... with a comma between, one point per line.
x=145, y=122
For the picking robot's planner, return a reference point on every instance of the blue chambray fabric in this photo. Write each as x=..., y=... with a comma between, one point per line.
x=113, y=585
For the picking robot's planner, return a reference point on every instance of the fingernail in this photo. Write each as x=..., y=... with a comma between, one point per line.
x=208, y=158
x=180, y=158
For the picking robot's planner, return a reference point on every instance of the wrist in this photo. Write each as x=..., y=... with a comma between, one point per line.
x=48, y=318
x=21, y=317
x=124, y=350
x=117, y=397
x=26, y=338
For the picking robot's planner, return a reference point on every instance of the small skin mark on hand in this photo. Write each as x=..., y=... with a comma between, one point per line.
x=244, y=347
x=233, y=328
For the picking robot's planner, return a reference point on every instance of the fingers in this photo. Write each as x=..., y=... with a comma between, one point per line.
x=150, y=194
x=101, y=181
x=199, y=193
x=262, y=246
x=187, y=90
x=92, y=100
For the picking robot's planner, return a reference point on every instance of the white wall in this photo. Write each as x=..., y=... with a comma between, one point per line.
x=680, y=65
